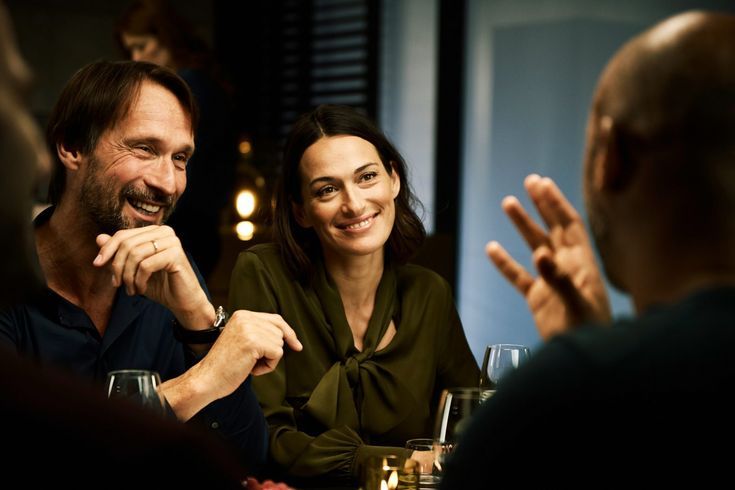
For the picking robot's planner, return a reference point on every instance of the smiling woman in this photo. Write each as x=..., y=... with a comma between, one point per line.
x=345, y=228
x=348, y=198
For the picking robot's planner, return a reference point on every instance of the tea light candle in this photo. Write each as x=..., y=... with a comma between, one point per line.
x=388, y=473
x=392, y=482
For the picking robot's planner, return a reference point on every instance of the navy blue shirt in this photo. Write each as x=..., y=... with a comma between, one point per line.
x=645, y=404
x=139, y=336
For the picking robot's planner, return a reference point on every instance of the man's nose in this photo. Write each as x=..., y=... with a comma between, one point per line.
x=161, y=175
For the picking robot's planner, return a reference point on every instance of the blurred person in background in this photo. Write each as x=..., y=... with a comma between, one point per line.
x=24, y=164
x=381, y=337
x=151, y=30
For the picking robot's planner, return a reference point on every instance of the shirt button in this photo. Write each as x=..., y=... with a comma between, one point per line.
x=215, y=425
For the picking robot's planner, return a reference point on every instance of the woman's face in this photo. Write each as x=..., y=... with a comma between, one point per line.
x=146, y=47
x=348, y=196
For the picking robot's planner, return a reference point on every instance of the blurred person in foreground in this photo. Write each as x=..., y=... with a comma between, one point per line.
x=57, y=430
x=151, y=30
x=120, y=292
x=645, y=399
x=381, y=337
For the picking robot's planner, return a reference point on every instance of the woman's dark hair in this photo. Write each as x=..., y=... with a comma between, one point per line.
x=98, y=97
x=157, y=18
x=298, y=244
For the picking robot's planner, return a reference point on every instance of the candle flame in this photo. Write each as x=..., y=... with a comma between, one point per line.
x=393, y=480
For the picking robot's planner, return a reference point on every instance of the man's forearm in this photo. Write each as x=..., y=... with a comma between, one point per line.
x=185, y=395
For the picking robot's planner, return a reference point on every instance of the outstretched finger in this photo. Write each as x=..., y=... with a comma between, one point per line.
x=109, y=245
x=288, y=333
x=532, y=233
x=551, y=203
x=514, y=272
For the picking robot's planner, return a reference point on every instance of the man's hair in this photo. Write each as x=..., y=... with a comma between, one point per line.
x=298, y=244
x=96, y=99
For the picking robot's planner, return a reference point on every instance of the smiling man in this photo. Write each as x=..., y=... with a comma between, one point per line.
x=133, y=147
x=121, y=292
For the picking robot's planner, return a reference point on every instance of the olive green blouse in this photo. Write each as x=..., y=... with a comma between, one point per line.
x=331, y=406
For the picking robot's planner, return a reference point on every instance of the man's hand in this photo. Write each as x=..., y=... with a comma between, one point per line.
x=250, y=343
x=151, y=261
x=569, y=289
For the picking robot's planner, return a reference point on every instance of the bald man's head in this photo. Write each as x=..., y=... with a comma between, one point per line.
x=673, y=81
x=661, y=137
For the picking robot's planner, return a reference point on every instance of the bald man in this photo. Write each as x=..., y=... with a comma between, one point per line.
x=647, y=399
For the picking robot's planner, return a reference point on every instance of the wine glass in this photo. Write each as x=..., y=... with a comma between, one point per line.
x=499, y=360
x=455, y=409
x=137, y=385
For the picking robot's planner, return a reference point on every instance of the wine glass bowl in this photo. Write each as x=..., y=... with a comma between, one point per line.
x=137, y=385
x=499, y=360
x=456, y=407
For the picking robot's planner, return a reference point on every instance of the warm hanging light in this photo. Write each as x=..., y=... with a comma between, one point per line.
x=245, y=230
x=245, y=203
x=245, y=147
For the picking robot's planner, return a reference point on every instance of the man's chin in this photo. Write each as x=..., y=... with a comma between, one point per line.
x=140, y=223
x=110, y=227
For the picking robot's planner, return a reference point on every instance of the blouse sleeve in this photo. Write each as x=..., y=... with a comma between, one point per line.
x=336, y=454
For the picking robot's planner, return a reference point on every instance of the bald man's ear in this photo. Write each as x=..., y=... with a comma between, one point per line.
x=612, y=166
x=70, y=158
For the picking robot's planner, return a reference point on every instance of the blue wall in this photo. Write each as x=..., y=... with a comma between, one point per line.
x=531, y=70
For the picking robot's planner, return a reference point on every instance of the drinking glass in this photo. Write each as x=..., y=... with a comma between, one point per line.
x=425, y=459
x=499, y=360
x=455, y=409
x=137, y=385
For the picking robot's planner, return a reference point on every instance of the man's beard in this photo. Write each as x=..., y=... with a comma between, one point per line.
x=104, y=205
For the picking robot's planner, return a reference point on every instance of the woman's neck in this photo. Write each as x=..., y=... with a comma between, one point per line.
x=357, y=280
x=356, y=277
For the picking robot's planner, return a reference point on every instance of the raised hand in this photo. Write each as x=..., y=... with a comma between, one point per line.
x=150, y=261
x=569, y=289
